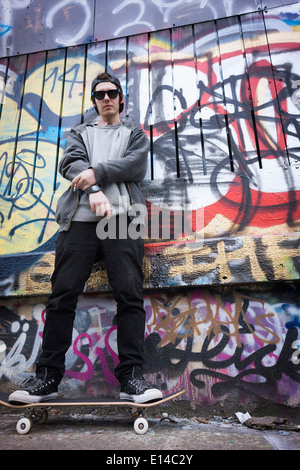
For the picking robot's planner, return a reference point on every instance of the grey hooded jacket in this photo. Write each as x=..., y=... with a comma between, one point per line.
x=130, y=169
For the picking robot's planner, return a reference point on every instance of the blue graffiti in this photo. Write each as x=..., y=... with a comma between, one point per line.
x=6, y=28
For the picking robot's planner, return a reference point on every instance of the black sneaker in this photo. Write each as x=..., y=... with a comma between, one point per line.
x=35, y=390
x=138, y=390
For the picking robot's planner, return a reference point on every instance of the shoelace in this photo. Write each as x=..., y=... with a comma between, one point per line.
x=28, y=381
x=139, y=383
x=33, y=383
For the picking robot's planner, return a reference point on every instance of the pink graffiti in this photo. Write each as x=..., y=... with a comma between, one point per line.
x=88, y=375
x=109, y=376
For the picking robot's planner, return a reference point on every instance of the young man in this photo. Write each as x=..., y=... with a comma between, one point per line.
x=105, y=163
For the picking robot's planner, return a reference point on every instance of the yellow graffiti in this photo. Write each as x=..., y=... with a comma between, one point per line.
x=221, y=258
x=30, y=183
x=186, y=259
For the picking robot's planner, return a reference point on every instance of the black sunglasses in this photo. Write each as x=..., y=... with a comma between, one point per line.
x=100, y=95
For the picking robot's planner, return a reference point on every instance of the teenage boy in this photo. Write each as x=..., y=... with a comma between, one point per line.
x=105, y=163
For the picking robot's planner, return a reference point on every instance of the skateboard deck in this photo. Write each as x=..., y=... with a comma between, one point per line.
x=37, y=412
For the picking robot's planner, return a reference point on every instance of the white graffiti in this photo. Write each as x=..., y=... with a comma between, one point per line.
x=6, y=13
x=32, y=25
x=71, y=40
x=165, y=8
x=136, y=21
x=14, y=363
x=296, y=354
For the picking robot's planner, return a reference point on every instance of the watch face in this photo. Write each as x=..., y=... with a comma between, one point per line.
x=93, y=189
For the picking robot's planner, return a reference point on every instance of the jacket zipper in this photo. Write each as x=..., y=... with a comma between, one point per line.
x=127, y=184
x=130, y=195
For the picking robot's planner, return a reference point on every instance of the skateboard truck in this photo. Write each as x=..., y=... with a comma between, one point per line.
x=26, y=420
x=135, y=413
x=167, y=416
x=140, y=424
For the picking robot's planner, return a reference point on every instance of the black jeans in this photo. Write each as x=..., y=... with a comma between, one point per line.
x=76, y=252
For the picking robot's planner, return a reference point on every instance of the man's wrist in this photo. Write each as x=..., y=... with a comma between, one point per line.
x=95, y=188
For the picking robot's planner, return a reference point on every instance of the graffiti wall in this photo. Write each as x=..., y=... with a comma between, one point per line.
x=38, y=25
x=239, y=345
x=217, y=91
x=219, y=101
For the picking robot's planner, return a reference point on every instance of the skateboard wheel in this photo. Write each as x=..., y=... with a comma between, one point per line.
x=23, y=426
x=141, y=426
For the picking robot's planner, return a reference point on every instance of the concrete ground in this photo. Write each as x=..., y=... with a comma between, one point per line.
x=113, y=431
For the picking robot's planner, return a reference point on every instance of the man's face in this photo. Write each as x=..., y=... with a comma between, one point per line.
x=108, y=107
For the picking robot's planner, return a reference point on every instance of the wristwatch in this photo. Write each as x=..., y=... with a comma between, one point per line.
x=93, y=189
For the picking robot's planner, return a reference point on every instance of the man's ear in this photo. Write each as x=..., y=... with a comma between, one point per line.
x=121, y=108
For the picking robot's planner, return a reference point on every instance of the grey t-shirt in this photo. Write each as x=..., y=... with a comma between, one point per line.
x=105, y=143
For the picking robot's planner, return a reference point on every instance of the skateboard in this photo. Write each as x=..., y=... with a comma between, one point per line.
x=38, y=412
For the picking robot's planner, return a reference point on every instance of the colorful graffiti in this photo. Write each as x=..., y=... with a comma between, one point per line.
x=219, y=103
x=211, y=342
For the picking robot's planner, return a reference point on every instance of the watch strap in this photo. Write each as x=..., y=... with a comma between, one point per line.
x=93, y=189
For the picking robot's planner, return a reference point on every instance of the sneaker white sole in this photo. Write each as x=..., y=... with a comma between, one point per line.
x=149, y=395
x=21, y=396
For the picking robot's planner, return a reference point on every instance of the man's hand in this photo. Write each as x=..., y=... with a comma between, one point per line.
x=100, y=204
x=84, y=180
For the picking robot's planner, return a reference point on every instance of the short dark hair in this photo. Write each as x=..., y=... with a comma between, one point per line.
x=107, y=77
